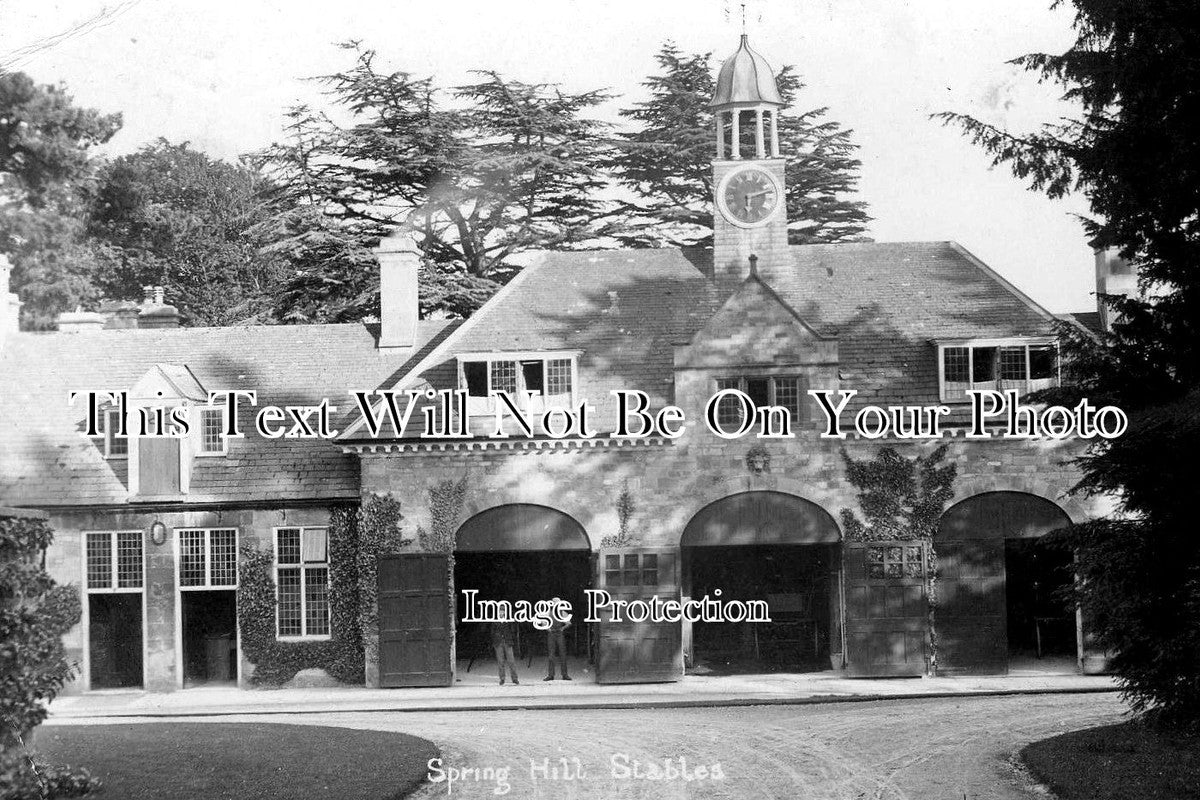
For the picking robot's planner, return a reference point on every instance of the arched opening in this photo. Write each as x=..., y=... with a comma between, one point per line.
x=520, y=552
x=767, y=546
x=1001, y=590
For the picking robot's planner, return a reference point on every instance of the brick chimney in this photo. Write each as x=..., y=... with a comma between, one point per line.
x=10, y=304
x=119, y=314
x=154, y=313
x=399, y=259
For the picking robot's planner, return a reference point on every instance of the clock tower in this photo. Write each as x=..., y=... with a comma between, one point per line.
x=749, y=208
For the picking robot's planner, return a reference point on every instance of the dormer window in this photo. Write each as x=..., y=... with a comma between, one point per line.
x=1023, y=365
x=549, y=376
x=212, y=440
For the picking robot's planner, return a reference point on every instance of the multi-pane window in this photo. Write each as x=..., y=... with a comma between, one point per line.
x=502, y=376
x=896, y=561
x=551, y=379
x=115, y=445
x=1019, y=366
x=302, y=581
x=114, y=560
x=208, y=558
x=631, y=569
x=784, y=391
x=212, y=436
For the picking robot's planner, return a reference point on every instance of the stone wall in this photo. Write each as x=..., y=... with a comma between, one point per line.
x=65, y=561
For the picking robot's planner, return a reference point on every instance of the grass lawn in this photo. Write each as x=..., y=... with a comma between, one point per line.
x=217, y=760
x=1118, y=762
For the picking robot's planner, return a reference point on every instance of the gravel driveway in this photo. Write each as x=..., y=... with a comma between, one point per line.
x=935, y=749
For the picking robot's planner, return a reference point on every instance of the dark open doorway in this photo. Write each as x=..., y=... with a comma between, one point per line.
x=209, y=637
x=115, y=640
x=1040, y=618
x=796, y=583
x=524, y=575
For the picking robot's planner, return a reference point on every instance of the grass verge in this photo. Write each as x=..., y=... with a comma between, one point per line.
x=211, y=760
x=1118, y=762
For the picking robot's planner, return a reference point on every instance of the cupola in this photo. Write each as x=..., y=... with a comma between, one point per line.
x=746, y=98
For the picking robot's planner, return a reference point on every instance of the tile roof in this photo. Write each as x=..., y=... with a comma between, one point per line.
x=44, y=461
x=885, y=303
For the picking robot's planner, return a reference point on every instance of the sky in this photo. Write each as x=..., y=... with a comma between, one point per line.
x=221, y=74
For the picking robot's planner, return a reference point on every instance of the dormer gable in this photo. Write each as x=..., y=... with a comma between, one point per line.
x=160, y=467
x=166, y=382
x=755, y=327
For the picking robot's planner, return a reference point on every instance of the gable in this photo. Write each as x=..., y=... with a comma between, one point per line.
x=755, y=326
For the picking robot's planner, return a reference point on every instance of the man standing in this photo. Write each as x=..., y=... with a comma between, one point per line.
x=556, y=645
x=504, y=636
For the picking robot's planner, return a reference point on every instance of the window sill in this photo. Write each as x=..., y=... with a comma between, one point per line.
x=318, y=638
x=221, y=454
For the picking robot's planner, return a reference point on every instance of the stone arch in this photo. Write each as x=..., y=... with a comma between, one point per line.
x=519, y=527
x=1077, y=510
x=1002, y=514
x=760, y=517
x=717, y=490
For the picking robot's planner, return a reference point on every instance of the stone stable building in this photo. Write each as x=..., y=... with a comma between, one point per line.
x=151, y=529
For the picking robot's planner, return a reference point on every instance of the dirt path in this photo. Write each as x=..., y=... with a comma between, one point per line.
x=934, y=749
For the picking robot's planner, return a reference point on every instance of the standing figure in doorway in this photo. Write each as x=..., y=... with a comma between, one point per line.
x=556, y=646
x=504, y=636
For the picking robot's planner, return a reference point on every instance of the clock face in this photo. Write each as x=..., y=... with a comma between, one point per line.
x=749, y=196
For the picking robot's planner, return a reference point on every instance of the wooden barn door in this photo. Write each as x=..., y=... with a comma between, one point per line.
x=415, y=620
x=970, y=618
x=638, y=652
x=886, y=608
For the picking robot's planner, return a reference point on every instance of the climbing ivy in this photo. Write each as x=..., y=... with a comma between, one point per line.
x=625, y=511
x=445, y=510
x=900, y=498
x=277, y=662
x=379, y=534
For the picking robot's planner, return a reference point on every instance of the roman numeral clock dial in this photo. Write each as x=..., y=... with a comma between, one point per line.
x=749, y=197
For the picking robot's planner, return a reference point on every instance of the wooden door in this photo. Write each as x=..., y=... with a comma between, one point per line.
x=887, y=610
x=638, y=652
x=970, y=619
x=415, y=620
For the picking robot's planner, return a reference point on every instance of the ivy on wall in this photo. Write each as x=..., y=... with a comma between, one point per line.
x=625, y=511
x=446, y=501
x=900, y=498
x=378, y=520
x=277, y=661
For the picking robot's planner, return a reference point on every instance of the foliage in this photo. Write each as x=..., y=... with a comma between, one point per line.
x=169, y=215
x=45, y=178
x=277, y=662
x=378, y=523
x=35, y=613
x=45, y=138
x=667, y=161
x=1134, y=73
x=900, y=498
x=626, y=507
x=445, y=510
x=480, y=174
